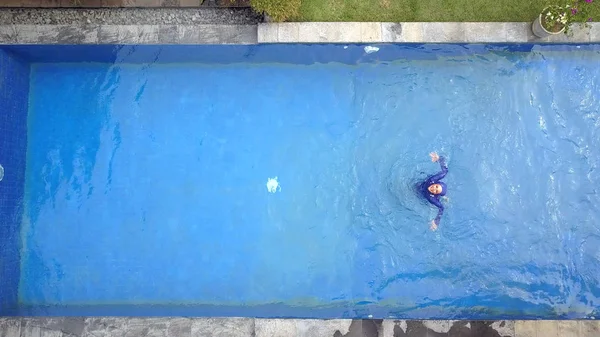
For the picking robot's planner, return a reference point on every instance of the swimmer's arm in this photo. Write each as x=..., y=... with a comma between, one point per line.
x=443, y=165
x=440, y=175
x=439, y=215
x=436, y=222
x=436, y=202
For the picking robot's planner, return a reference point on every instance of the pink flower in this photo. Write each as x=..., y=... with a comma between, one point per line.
x=589, y=1
x=573, y=11
x=590, y=20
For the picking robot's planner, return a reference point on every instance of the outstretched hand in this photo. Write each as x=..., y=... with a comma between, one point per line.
x=434, y=156
x=433, y=226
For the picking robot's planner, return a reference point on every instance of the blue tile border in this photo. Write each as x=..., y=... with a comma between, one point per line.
x=14, y=95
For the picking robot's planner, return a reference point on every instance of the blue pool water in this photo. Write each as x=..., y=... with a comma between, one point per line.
x=147, y=170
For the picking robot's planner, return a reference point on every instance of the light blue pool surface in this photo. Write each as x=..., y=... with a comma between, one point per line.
x=146, y=171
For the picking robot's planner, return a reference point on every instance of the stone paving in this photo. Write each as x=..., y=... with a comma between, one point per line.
x=250, y=327
x=128, y=34
x=129, y=16
x=162, y=31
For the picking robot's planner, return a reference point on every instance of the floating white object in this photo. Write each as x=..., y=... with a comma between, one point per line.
x=273, y=185
x=371, y=49
x=1, y=172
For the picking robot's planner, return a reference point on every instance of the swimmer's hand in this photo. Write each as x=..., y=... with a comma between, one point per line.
x=433, y=226
x=434, y=156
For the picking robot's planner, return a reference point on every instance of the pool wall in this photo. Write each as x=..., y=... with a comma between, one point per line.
x=14, y=87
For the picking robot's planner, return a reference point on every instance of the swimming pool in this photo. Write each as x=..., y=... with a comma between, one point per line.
x=278, y=180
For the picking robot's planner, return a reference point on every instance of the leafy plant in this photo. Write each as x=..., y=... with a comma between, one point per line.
x=278, y=10
x=557, y=17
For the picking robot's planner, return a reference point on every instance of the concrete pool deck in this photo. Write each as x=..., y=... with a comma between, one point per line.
x=411, y=32
x=249, y=327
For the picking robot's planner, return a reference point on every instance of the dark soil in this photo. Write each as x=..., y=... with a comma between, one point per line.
x=551, y=27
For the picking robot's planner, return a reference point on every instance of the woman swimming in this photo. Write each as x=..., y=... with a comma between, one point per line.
x=432, y=188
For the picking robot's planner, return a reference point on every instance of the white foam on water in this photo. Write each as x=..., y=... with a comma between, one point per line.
x=273, y=185
x=1, y=172
x=371, y=49
x=542, y=123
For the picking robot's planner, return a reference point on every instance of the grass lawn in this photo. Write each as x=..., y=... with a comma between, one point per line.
x=426, y=10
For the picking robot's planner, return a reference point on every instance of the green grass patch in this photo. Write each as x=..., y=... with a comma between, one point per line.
x=426, y=10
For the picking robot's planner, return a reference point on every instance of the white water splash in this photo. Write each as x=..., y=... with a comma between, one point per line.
x=542, y=123
x=371, y=49
x=273, y=185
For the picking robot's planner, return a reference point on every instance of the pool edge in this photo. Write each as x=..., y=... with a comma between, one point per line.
x=296, y=32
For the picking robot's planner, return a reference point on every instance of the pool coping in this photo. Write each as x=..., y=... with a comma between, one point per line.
x=251, y=327
x=417, y=32
x=305, y=32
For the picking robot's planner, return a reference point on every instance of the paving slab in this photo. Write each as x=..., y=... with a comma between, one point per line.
x=268, y=33
x=568, y=328
x=595, y=33
x=10, y=327
x=589, y=328
x=444, y=32
x=288, y=32
x=223, y=327
x=250, y=327
x=526, y=329
x=407, y=32
x=481, y=32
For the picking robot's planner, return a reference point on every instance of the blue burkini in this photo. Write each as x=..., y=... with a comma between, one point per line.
x=435, y=199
